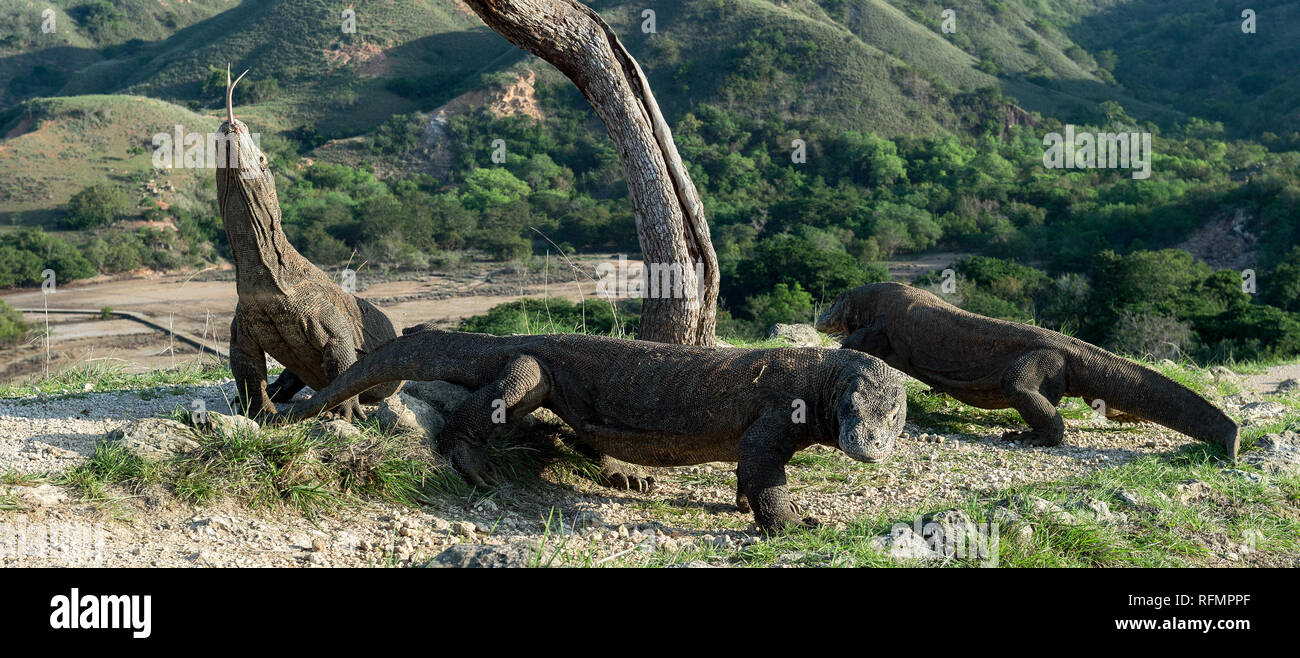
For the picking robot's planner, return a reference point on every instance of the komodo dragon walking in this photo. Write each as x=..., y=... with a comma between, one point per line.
x=995, y=364
x=287, y=307
x=648, y=403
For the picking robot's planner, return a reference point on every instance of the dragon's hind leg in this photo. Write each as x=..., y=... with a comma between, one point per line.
x=520, y=390
x=1032, y=385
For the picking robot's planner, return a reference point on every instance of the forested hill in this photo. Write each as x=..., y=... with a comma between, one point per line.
x=921, y=129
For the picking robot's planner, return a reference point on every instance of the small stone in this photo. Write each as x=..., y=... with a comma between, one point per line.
x=1221, y=373
x=1128, y=497
x=154, y=438
x=799, y=335
x=523, y=553
x=902, y=543
x=1249, y=476
x=1024, y=532
x=588, y=519
x=1193, y=491
x=1276, y=453
x=227, y=427
x=45, y=495
x=464, y=528
x=339, y=429
x=318, y=545
x=1266, y=409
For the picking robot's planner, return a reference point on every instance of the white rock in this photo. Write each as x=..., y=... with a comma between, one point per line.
x=154, y=438
x=45, y=495
x=410, y=414
x=444, y=396
x=799, y=335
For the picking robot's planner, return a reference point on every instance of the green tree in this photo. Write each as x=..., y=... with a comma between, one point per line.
x=783, y=304
x=96, y=205
x=485, y=188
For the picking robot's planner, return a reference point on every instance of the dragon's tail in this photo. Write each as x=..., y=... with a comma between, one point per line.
x=385, y=364
x=1123, y=385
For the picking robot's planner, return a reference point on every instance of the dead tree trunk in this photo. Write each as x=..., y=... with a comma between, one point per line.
x=669, y=216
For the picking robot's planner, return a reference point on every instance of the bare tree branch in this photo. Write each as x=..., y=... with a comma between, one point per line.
x=670, y=221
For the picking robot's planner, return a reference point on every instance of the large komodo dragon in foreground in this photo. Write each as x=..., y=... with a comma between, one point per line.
x=995, y=364
x=287, y=307
x=649, y=403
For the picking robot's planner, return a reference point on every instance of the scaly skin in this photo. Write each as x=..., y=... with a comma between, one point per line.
x=648, y=403
x=287, y=307
x=995, y=364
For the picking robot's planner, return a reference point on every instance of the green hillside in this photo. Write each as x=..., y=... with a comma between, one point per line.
x=59, y=145
x=883, y=66
x=40, y=52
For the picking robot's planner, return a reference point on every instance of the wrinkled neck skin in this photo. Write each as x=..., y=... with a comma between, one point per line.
x=250, y=211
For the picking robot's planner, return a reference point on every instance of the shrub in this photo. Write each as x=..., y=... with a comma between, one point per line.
x=1151, y=334
x=12, y=326
x=783, y=304
x=30, y=251
x=555, y=315
x=96, y=205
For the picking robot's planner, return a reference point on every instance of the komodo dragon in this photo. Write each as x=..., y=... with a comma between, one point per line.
x=995, y=364
x=649, y=403
x=287, y=307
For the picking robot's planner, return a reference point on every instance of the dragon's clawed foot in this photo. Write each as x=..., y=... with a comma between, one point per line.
x=790, y=519
x=742, y=503
x=472, y=463
x=617, y=476
x=348, y=411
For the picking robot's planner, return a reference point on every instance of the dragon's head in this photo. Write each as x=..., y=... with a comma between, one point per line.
x=871, y=412
x=244, y=178
x=856, y=308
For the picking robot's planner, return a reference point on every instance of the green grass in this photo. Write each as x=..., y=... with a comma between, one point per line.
x=1161, y=531
x=941, y=413
x=112, y=464
x=113, y=376
x=304, y=470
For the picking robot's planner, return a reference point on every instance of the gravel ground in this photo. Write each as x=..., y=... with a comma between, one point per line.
x=692, y=505
x=50, y=433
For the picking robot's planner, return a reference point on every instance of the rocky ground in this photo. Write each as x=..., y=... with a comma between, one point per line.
x=951, y=463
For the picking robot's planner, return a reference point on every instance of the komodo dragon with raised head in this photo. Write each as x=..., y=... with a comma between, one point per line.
x=287, y=307
x=996, y=364
x=649, y=403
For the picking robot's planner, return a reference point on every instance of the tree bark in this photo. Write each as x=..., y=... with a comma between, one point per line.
x=669, y=216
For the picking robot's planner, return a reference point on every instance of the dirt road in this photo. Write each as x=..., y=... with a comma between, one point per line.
x=203, y=304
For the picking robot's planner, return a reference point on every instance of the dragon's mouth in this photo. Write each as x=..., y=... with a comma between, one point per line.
x=237, y=151
x=830, y=323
